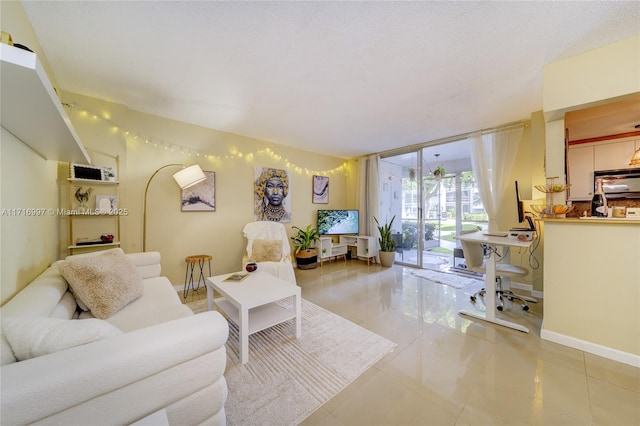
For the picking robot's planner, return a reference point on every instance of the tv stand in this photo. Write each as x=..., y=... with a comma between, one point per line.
x=366, y=247
x=328, y=250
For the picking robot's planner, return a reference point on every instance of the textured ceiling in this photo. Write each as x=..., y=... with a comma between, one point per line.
x=339, y=78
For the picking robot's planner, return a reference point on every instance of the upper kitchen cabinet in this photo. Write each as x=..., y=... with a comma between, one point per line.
x=614, y=154
x=31, y=109
x=580, y=173
x=602, y=137
x=586, y=158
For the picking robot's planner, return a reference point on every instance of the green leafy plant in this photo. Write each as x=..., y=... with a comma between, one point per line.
x=386, y=241
x=429, y=230
x=439, y=171
x=305, y=238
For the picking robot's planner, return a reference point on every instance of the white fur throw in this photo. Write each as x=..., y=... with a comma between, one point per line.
x=105, y=283
x=266, y=251
x=33, y=337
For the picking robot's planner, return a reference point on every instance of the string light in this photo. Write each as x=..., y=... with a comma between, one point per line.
x=184, y=150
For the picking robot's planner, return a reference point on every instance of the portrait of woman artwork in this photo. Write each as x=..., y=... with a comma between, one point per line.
x=271, y=190
x=320, y=189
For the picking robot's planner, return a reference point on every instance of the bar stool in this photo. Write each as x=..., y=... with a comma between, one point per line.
x=192, y=261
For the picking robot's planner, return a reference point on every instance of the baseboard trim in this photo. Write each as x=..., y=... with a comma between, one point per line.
x=529, y=288
x=592, y=348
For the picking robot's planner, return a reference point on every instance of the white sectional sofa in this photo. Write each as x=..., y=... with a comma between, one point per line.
x=153, y=361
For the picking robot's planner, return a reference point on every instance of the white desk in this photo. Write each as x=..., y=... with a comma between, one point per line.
x=490, y=276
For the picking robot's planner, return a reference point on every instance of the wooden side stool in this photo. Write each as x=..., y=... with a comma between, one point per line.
x=192, y=261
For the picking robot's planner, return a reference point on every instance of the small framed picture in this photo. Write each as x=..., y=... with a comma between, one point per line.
x=106, y=204
x=320, y=189
x=200, y=197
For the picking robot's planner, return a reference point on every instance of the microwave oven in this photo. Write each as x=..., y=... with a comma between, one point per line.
x=623, y=183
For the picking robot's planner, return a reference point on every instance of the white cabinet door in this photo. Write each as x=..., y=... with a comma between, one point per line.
x=614, y=155
x=581, y=167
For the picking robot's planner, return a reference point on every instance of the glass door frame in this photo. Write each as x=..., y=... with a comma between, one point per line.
x=411, y=202
x=407, y=191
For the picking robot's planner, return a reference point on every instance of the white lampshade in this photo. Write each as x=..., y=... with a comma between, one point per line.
x=635, y=159
x=189, y=176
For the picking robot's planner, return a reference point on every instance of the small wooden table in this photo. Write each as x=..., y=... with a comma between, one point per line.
x=192, y=261
x=250, y=304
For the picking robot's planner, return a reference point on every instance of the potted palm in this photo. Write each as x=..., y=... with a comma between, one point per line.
x=387, y=244
x=306, y=255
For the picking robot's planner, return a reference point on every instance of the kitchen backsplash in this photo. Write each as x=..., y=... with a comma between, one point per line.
x=582, y=206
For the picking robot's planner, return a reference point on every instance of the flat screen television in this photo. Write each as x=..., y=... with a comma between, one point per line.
x=338, y=222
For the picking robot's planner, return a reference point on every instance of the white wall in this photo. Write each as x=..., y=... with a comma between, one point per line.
x=29, y=243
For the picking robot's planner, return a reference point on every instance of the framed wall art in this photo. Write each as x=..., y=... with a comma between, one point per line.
x=106, y=203
x=271, y=189
x=200, y=197
x=320, y=189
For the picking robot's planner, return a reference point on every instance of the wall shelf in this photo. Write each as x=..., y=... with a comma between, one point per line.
x=89, y=221
x=31, y=109
x=81, y=246
x=94, y=182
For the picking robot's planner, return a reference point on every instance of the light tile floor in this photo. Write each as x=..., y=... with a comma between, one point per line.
x=450, y=370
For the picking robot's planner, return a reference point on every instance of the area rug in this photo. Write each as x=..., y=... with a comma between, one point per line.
x=287, y=379
x=447, y=278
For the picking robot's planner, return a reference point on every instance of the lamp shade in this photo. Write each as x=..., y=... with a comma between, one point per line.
x=635, y=158
x=189, y=176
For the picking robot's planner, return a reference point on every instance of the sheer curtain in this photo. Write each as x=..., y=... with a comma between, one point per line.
x=492, y=159
x=368, y=193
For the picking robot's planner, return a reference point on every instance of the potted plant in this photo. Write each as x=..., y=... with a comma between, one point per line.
x=408, y=235
x=387, y=244
x=438, y=172
x=306, y=256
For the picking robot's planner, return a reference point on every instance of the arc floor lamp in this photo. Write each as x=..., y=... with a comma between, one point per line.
x=185, y=178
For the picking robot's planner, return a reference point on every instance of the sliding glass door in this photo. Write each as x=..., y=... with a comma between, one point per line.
x=400, y=197
x=430, y=208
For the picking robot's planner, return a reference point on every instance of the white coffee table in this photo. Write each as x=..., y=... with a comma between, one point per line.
x=251, y=305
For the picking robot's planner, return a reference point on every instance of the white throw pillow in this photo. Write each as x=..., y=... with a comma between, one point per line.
x=105, y=283
x=33, y=337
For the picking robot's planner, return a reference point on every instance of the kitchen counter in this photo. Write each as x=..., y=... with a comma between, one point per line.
x=598, y=220
x=592, y=286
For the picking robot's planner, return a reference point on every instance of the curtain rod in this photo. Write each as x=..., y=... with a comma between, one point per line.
x=509, y=126
x=455, y=138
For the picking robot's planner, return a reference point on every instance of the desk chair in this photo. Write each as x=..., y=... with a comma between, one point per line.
x=474, y=258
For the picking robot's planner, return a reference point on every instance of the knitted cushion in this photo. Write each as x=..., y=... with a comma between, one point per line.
x=266, y=251
x=105, y=283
